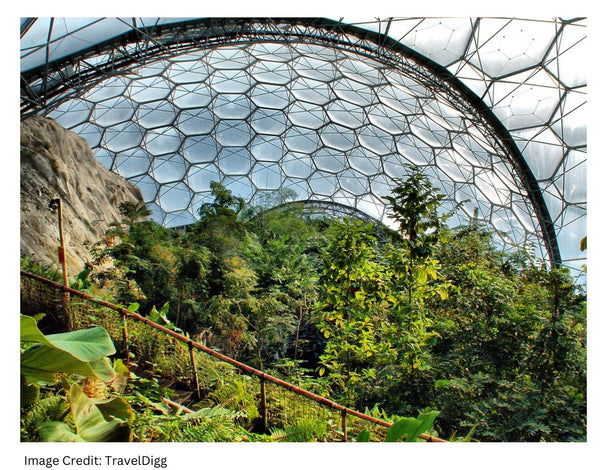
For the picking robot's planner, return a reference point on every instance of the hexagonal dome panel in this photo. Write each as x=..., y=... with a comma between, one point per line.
x=493, y=110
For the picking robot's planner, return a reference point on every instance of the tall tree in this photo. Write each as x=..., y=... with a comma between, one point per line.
x=413, y=206
x=354, y=318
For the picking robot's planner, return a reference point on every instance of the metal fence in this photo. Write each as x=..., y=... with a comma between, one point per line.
x=135, y=336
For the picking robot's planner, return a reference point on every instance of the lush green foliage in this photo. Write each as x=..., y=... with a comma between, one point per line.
x=511, y=354
x=409, y=320
x=31, y=265
x=354, y=313
x=80, y=353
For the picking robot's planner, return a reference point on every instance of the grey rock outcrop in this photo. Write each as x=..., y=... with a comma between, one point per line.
x=56, y=163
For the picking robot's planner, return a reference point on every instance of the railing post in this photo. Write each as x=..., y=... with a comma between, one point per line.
x=194, y=369
x=344, y=427
x=66, y=310
x=62, y=259
x=263, y=402
x=62, y=252
x=125, y=336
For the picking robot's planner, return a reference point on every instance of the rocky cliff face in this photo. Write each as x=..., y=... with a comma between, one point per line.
x=56, y=163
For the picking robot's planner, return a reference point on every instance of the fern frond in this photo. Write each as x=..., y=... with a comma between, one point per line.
x=234, y=395
x=49, y=408
x=302, y=431
x=217, y=424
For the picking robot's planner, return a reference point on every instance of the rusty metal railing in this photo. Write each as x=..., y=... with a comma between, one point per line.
x=45, y=300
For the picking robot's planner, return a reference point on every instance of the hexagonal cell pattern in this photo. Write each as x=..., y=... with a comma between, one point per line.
x=337, y=127
x=336, y=122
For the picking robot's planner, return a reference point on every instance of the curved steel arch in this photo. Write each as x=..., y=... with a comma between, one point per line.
x=48, y=85
x=311, y=208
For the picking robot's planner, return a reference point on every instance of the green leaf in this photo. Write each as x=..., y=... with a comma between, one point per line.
x=115, y=408
x=43, y=363
x=30, y=333
x=103, y=369
x=402, y=428
x=87, y=345
x=443, y=292
x=57, y=431
x=364, y=436
x=154, y=314
x=133, y=307
x=421, y=276
x=426, y=420
x=81, y=352
x=89, y=423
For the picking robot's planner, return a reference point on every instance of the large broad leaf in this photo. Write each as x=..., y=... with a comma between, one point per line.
x=87, y=345
x=115, y=408
x=30, y=333
x=402, y=429
x=409, y=429
x=89, y=423
x=43, y=363
x=57, y=431
x=426, y=424
x=81, y=352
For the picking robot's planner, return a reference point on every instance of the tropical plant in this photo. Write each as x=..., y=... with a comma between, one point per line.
x=511, y=351
x=405, y=429
x=414, y=271
x=353, y=315
x=80, y=353
x=93, y=421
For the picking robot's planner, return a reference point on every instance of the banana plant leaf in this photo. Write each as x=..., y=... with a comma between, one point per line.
x=81, y=352
x=409, y=429
x=90, y=423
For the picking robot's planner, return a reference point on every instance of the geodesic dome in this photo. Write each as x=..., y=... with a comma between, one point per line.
x=329, y=111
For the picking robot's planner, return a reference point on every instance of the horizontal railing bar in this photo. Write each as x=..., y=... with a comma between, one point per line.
x=222, y=357
x=177, y=405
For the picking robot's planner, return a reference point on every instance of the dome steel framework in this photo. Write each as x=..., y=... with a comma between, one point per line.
x=330, y=112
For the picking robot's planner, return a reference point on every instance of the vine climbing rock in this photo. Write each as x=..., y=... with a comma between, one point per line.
x=56, y=163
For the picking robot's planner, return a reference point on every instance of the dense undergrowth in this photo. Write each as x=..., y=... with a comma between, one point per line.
x=409, y=321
